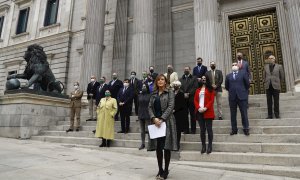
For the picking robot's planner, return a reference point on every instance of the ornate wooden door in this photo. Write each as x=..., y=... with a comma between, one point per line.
x=257, y=37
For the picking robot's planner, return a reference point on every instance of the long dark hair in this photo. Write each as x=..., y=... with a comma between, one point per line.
x=207, y=84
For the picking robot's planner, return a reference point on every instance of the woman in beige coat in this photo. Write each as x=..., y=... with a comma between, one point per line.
x=106, y=112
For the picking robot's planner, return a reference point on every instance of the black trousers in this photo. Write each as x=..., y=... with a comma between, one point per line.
x=125, y=119
x=191, y=109
x=205, y=125
x=243, y=106
x=136, y=104
x=272, y=94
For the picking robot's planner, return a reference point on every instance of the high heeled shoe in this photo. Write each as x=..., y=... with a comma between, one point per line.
x=203, y=150
x=209, y=149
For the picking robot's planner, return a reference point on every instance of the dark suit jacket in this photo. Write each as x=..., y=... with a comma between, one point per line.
x=136, y=86
x=275, y=78
x=180, y=110
x=126, y=98
x=100, y=93
x=189, y=85
x=218, y=79
x=246, y=68
x=91, y=89
x=154, y=75
x=197, y=73
x=114, y=89
x=237, y=88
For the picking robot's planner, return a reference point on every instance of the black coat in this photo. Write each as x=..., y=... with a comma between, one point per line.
x=143, y=106
x=189, y=85
x=126, y=98
x=197, y=73
x=100, y=93
x=180, y=111
x=136, y=86
x=115, y=88
x=91, y=89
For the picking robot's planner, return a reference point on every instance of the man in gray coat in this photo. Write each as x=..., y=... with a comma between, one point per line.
x=215, y=77
x=273, y=75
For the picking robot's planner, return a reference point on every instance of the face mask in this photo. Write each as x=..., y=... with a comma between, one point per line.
x=75, y=87
x=176, y=87
x=239, y=58
x=149, y=80
x=199, y=64
x=151, y=70
x=132, y=76
x=170, y=70
x=107, y=94
x=125, y=84
x=144, y=90
x=144, y=76
x=235, y=68
x=186, y=72
x=114, y=77
x=92, y=80
x=101, y=81
x=213, y=67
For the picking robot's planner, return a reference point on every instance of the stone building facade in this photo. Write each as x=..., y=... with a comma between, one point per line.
x=105, y=36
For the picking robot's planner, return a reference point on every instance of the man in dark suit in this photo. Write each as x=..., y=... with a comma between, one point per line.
x=237, y=85
x=189, y=85
x=100, y=93
x=152, y=73
x=135, y=85
x=273, y=75
x=215, y=77
x=91, y=96
x=199, y=70
x=124, y=99
x=114, y=87
x=243, y=64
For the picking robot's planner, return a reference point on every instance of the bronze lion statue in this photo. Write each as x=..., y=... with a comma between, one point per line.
x=37, y=71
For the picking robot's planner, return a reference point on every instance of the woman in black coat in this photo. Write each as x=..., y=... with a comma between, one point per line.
x=143, y=112
x=180, y=111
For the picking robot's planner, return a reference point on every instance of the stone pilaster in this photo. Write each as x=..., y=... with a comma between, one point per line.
x=93, y=41
x=206, y=29
x=293, y=12
x=143, y=35
x=163, y=44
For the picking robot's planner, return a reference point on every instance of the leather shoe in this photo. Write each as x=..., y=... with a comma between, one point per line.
x=277, y=116
x=246, y=132
x=94, y=131
x=269, y=117
x=203, y=150
x=142, y=147
x=121, y=131
x=233, y=133
x=220, y=118
x=69, y=130
x=165, y=174
x=77, y=129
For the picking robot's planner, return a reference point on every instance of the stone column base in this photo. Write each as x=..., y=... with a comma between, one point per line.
x=24, y=114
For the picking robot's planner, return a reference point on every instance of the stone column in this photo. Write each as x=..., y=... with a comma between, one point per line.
x=206, y=29
x=93, y=41
x=143, y=35
x=293, y=12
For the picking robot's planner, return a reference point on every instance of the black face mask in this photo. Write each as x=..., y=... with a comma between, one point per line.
x=213, y=67
x=151, y=70
x=170, y=70
x=200, y=84
x=186, y=72
x=239, y=58
x=144, y=90
x=199, y=64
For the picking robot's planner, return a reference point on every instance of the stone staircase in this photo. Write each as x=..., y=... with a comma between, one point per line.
x=272, y=148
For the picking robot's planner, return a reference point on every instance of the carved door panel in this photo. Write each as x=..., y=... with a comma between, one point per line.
x=257, y=37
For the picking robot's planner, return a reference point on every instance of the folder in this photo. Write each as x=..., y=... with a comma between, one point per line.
x=157, y=132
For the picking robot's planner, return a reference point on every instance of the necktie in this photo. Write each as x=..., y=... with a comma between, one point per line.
x=124, y=90
x=213, y=77
x=234, y=75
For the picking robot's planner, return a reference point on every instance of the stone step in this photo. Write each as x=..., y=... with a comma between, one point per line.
x=253, y=138
x=216, y=123
x=293, y=172
x=217, y=130
x=220, y=157
x=276, y=148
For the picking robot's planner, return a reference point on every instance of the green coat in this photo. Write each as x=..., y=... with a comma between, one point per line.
x=105, y=118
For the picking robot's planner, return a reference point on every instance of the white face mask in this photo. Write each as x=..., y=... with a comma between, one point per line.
x=92, y=80
x=126, y=84
x=76, y=87
x=235, y=68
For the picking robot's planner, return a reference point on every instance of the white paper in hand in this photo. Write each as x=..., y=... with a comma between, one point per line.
x=155, y=132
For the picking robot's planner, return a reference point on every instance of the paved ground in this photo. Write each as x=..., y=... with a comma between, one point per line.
x=25, y=159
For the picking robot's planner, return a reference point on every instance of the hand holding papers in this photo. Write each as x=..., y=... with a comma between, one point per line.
x=156, y=132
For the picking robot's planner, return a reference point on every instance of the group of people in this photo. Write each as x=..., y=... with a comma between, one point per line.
x=179, y=102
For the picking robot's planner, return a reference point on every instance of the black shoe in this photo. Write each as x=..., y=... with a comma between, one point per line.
x=107, y=143
x=203, y=150
x=89, y=119
x=165, y=174
x=121, y=131
x=69, y=130
x=159, y=175
x=77, y=129
x=209, y=149
x=269, y=117
x=103, y=144
x=220, y=118
x=94, y=131
x=246, y=132
x=233, y=133
x=277, y=116
x=126, y=131
x=142, y=147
